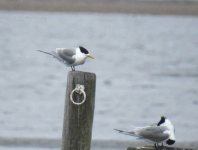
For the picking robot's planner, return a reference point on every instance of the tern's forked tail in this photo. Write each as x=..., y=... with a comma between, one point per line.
x=132, y=133
x=53, y=54
x=45, y=52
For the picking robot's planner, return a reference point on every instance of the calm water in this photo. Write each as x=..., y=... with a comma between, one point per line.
x=146, y=66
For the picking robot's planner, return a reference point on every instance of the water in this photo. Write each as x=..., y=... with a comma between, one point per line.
x=146, y=67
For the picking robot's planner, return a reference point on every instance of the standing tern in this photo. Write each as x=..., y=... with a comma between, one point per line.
x=70, y=57
x=161, y=132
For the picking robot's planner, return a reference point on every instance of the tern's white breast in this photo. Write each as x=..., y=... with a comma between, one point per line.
x=79, y=57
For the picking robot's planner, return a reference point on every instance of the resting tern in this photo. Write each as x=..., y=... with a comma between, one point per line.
x=70, y=57
x=161, y=132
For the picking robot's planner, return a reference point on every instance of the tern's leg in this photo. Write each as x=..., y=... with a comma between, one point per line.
x=72, y=67
x=156, y=146
x=162, y=146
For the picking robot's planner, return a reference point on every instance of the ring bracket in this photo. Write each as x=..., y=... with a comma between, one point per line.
x=79, y=89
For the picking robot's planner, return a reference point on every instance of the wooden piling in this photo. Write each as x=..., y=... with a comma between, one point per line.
x=78, y=119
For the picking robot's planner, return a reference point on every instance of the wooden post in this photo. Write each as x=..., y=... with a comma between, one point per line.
x=78, y=119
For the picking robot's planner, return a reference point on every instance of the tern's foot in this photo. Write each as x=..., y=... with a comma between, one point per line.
x=158, y=147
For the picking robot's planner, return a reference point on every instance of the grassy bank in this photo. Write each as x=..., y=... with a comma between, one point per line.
x=171, y=8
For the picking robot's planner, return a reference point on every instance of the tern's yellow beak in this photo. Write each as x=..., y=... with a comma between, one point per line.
x=90, y=56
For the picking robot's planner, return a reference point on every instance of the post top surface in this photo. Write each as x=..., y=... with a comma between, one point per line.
x=81, y=73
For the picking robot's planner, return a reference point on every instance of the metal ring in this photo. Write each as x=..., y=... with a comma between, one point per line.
x=80, y=90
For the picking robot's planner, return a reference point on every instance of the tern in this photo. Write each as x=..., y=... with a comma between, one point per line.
x=158, y=133
x=70, y=57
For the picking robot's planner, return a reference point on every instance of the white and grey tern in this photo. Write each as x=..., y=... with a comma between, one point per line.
x=158, y=133
x=70, y=57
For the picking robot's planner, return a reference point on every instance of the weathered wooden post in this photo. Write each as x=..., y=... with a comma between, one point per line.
x=79, y=111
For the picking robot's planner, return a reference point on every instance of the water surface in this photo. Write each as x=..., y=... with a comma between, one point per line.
x=146, y=66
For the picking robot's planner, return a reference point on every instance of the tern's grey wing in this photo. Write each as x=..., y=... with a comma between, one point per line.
x=67, y=51
x=154, y=124
x=153, y=133
x=66, y=55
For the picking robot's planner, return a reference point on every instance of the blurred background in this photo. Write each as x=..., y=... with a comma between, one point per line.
x=146, y=66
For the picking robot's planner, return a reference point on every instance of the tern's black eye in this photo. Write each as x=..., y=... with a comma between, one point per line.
x=83, y=50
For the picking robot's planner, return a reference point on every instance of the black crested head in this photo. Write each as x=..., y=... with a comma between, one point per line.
x=83, y=50
x=170, y=142
x=162, y=120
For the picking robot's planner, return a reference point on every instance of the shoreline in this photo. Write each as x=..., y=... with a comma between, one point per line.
x=56, y=143
x=155, y=8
